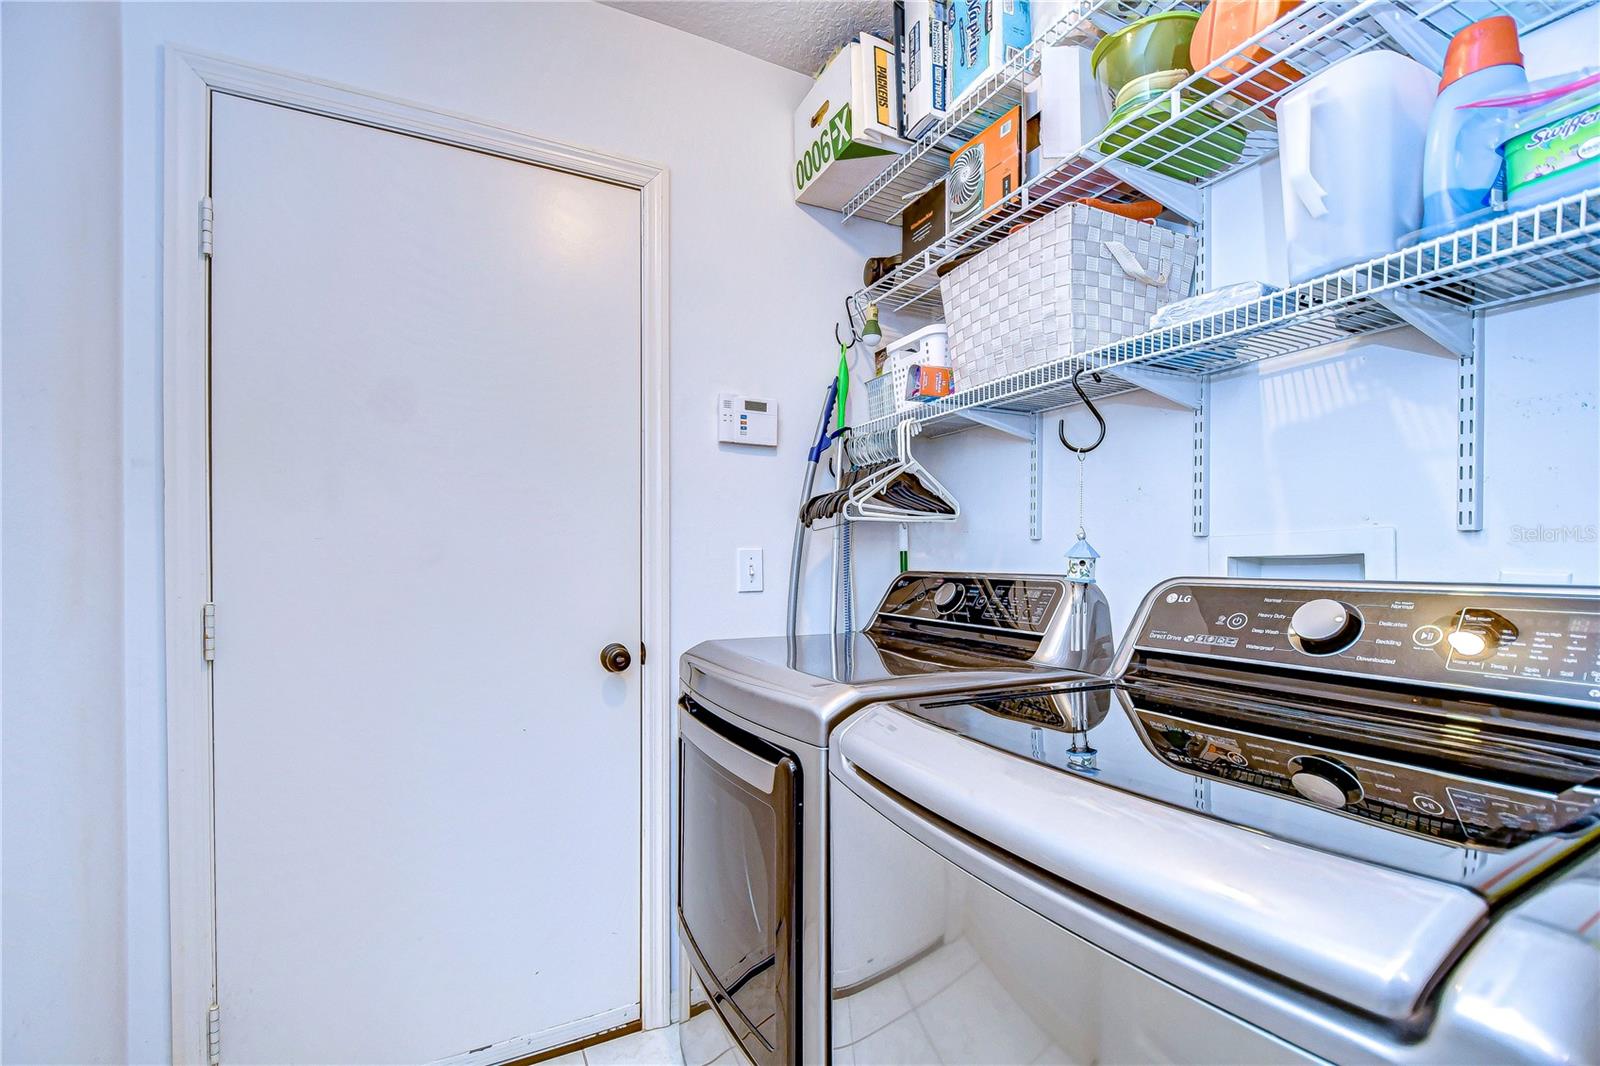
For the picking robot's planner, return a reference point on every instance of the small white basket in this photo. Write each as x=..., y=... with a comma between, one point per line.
x=1071, y=281
x=928, y=346
x=886, y=393
x=880, y=397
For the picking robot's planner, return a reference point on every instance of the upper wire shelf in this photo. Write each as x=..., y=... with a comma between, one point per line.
x=1537, y=252
x=1203, y=132
x=928, y=158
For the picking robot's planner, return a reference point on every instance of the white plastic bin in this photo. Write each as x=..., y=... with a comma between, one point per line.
x=1350, y=144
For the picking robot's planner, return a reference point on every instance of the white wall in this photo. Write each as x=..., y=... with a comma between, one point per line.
x=756, y=286
x=1359, y=435
x=62, y=902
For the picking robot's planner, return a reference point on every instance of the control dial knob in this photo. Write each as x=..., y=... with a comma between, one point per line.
x=1324, y=627
x=948, y=596
x=1324, y=781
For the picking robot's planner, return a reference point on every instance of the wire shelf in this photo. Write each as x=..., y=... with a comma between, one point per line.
x=1538, y=252
x=1202, y=132
x=928, y=158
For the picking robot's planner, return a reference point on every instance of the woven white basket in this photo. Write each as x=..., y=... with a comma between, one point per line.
x=1072, y=281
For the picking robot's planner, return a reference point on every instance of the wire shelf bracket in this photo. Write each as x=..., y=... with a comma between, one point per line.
x=1175, y=388
x=1449, y=326
x=1176, y=196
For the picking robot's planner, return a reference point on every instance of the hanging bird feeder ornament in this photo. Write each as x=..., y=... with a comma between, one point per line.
x=1081, y=562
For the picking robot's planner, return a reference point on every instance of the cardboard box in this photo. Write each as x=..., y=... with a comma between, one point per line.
x=846, y=131
x=922, y=32
x=928, y=383
x=923, y=221
x=983, y=35
x=985, y=171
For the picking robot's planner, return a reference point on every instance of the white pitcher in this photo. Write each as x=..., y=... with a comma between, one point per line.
x=1350, y=144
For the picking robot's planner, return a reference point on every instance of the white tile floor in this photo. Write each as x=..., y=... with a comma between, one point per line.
x=700, y=1041
x=946, y=1006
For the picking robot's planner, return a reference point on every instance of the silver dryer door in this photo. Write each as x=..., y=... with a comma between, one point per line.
x=738, y=888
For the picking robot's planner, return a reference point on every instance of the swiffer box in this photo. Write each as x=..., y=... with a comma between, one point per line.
x=985, y=171
x=846, y=130
x=983, y=35
x=922, y=31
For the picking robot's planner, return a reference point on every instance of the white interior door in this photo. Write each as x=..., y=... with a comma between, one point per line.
x=425, y=517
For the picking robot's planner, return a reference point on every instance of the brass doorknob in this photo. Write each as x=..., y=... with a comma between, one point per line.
x=616, y=658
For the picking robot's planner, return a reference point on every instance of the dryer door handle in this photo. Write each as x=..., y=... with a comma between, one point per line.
x=1365, y=934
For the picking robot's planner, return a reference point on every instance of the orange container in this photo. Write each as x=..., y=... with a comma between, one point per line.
x=1226, y=24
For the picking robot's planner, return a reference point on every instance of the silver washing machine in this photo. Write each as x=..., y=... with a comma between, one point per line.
x=1301, y=822
x=754, y=718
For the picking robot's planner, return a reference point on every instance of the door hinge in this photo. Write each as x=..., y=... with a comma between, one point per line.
x=214, y=1035
x=207, y=222
x=208, y=631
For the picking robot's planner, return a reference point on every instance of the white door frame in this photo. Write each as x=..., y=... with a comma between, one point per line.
x=191, y=77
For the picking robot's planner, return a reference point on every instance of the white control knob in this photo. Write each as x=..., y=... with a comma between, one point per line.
x=1318, y=790
x=1323, y=781
x=949, y=595
x=1323, y=626
x=1320, y=619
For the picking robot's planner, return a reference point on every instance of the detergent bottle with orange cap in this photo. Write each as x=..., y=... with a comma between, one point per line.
x=1461, y=161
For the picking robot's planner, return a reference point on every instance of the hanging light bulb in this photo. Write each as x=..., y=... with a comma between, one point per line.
x=872, y=332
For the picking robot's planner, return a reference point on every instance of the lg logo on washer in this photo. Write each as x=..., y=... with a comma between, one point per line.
x=1173, y=597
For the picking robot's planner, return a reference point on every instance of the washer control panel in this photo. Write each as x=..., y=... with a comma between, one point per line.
x=1529, y=643
x=1016, y=604
x=1408, y=798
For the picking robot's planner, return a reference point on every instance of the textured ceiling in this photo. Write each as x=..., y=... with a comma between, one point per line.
x=798, y=34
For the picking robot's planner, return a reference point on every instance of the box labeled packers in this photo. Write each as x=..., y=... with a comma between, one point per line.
x=922, y=31
x=846, y=131
x=923, y=221
x=985, y=171
x=984, y=34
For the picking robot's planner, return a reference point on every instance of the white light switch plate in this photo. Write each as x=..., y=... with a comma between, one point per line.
x=750, y=575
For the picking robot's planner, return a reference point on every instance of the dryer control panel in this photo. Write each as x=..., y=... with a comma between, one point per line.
x=1537, y=643
x=1014, y=603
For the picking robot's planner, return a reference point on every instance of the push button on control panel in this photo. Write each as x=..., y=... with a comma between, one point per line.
x=1427, y=636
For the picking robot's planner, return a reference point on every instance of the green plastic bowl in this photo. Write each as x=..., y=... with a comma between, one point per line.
x=1149, y=46
x=1208, y=146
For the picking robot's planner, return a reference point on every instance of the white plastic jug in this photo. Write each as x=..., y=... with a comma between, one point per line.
x=1350, y=144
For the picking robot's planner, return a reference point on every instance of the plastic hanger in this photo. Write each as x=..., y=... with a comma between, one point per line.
x=867, y=502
